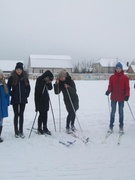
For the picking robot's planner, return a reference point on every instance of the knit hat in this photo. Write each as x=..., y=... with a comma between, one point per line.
x=19, y=65
x=62, y=73
x=1, y=72
x=119, y=65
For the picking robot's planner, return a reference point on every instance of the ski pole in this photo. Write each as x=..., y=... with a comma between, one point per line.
x=74, y=110
x=53, y=115
x=130, y=110
x=33, y=124
x=36, y=114
x=109, y=105
x=51, y=110
x=59, y=109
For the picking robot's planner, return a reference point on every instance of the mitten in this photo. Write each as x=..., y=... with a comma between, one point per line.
x=107, y=93
x=126, y=98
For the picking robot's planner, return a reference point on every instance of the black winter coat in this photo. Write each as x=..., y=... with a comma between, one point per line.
x=41, y=92
x=19, y=92
x=72, y=92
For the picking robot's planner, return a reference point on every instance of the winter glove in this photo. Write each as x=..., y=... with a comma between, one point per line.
x=46, y=79
x=126, y=98
x=107, y=93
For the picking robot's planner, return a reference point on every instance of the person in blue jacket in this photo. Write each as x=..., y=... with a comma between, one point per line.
x=4, y=101
x=19, y=89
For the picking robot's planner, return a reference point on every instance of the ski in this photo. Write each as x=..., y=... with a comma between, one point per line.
x=35, y=131
x=83, y=139
x=107, y=136
x=119, y=138
x=68, y=143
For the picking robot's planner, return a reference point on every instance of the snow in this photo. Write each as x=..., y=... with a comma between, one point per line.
x=51, y=61
x=40, y=157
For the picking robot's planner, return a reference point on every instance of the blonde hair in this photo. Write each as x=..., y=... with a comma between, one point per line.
x=4, y=85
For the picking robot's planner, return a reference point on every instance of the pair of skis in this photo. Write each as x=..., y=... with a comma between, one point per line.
x=83, y=139
x=108, y=134
x=68, y=143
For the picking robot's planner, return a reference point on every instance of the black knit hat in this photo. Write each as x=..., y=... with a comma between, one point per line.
x=19, y=65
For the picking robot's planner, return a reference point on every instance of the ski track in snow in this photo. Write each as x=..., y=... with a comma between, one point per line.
x=41, y=157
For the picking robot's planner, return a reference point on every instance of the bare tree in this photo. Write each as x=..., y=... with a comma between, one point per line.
x=83, y=67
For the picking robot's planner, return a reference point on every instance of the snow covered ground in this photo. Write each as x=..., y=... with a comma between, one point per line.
x=40, y=157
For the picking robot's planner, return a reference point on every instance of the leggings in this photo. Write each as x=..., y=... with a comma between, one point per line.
x=42, y=120
x=18, y=114
x=70, y=119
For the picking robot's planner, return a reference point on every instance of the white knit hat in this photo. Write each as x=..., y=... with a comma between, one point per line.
x=63, y=73
x=1, y=72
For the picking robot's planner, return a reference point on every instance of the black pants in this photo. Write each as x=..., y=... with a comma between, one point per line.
x=42, y=120
x=18, y=114
x=70, y=119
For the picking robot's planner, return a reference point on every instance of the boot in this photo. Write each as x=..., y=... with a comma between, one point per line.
x=46, y=131
x=16, y=133
x=40, y=131
x=1, y=140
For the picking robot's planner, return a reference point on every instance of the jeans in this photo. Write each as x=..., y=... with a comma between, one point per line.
x=1, y=122
x=113, y=111
x=18, y=113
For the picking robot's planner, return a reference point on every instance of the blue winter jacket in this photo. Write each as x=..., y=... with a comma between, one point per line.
x=4, y=103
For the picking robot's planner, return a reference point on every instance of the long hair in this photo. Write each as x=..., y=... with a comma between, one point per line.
x=15, y=78
x=4, y=85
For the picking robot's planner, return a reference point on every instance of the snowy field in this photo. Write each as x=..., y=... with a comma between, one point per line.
x=40, y=157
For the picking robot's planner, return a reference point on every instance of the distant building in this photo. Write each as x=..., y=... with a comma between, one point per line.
x=107, y=65
x=131, y=69
x=54, y=63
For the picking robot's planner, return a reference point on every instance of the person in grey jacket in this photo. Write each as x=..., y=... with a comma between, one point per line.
x=64, y=83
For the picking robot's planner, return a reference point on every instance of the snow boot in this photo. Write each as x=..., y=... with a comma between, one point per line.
x=40, y=131
x=110, y=130
x=22, y=135
x=46, y=131
x=16, y=133
x=1, y=140
x=69, y=131
x=73, y=128
x=121, y=130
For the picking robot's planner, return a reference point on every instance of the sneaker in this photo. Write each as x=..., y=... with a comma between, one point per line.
x=73, y=128
x=69, y=131
x=16, y=136
x=46, y=131
x=110, y=130
x=40, y=131
x=121, y=130
x=1, y=140
x=22, y=135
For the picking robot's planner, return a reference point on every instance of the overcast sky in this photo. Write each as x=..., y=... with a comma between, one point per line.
x=84, y=29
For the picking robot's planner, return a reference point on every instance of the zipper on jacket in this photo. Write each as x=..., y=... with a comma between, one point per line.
x=117, y=88
x=19, y=92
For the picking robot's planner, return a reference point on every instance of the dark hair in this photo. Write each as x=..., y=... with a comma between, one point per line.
x=15, y=77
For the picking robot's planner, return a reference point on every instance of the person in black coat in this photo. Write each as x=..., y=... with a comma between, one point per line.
x=43, y=84
x=19, y=89
x=65, y=84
